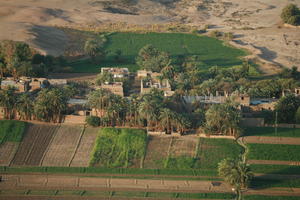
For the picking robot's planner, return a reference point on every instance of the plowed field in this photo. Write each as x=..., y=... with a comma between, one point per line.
x=34, y=144
x=82, y=156
x=63, y=146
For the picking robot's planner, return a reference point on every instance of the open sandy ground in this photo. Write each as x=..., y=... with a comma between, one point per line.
x=256, y=24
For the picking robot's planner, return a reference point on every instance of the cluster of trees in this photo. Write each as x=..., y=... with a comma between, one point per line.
x=94, y=48
x=291, y=15
x=47, y=105
x=18, y=59
x=165, y=114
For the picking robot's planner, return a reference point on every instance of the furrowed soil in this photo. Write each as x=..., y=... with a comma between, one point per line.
x=157, y=151
x=34, y=144
x=63, y=146
x=7, y=152
x=85, y=147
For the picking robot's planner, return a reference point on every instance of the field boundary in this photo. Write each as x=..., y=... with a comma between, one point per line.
x=77, y=146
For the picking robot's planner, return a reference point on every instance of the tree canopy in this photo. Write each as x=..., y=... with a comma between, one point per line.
x=291, y=15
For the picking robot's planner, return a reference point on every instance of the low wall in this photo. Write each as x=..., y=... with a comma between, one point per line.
x=217, y=136
x=284, y=125
x=74, y=119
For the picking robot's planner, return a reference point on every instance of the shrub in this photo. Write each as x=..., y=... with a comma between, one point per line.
x=291, y=15
x=93, y=121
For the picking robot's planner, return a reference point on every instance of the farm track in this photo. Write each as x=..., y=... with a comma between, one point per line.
x=271, y=140
x=34, y=144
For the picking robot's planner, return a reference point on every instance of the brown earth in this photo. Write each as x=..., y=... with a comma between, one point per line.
x=63, y=146
x=7, y=152
x=272, y=140
x=256, y=24
x=157, y=151
x=34, y=144
x=85, y=147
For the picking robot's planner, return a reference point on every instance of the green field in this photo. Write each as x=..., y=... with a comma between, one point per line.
x=119, y=147
x=212, y=52
x=212, y=151
x=270, y=131
x=11, y=131
x=274, y=152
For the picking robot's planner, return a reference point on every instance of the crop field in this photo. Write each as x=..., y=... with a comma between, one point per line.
x=11, y=131
x=34, y=144
x=212, y=151
x=282, y=152
x=157, y=151
x=270, y=131
x=83, y=153
x=212, y=52
x=7, y=152
x=63, y=146
x=119, y=147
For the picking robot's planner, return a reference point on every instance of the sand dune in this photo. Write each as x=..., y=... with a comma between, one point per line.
x=256, y=22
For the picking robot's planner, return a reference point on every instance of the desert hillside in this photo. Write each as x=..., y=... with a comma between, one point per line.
x=256, y=24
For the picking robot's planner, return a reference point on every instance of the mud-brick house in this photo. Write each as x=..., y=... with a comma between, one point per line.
x=115, y=88
x=163, y=85
x=116, y=72
x=58, y=82
x=20, y=85
x=145, y=73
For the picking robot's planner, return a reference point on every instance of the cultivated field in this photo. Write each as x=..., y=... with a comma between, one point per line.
x=211, y=51
x=119, y=147
x=63, y=146
x=34, y=144
x=84, y=150
x=157, y=151
x=7, y=152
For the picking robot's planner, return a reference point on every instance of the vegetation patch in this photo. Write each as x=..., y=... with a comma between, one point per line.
x=212, y=151
x=274, y=152
x=11, y=131
x=269, y=183
x=270, y=131
x=119, y=147
x=122, y=50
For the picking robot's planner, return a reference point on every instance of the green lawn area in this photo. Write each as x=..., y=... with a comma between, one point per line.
x=263, y=197
x=212, y=52
x=274, y=152
x=270, y=131
x=11, y=131
x=119, y=147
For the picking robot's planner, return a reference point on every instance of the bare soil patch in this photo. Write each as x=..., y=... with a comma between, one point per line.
x=34, y=144
x=183, y=147
x=157, y=151
x=63, y=146
x=83, y=153
x=7, y=152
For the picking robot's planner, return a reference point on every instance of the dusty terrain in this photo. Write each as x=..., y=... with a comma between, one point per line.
x=255, y=23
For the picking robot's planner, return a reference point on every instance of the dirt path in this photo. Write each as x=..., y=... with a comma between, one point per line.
x=61, y=182
x=271, y=140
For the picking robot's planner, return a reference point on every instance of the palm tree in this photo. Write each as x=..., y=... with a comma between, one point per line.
x=8, y=101
x=236, y=173
x=24, y=106
x=147, y=110
x=94, y=48
x=166, y=118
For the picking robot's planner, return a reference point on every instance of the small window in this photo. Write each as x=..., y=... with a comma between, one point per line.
x=242, y=98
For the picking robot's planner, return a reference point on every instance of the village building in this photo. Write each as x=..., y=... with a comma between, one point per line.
x=116, y=72
x=145, y=73
x=20, y=85
x=115, y=88
x=57, y=82
x=163, y=85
